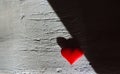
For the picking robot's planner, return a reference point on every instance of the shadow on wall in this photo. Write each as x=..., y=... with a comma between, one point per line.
x=95, y=25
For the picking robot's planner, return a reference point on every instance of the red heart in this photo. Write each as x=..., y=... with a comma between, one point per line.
x=71, y=55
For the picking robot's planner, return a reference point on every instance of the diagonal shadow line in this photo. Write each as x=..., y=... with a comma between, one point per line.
x=95, y=25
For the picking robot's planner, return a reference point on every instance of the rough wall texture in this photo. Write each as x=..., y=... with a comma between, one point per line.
x=28, y=31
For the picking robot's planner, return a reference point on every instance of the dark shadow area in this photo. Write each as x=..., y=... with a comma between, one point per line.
x=68, y=43
x=95, y=25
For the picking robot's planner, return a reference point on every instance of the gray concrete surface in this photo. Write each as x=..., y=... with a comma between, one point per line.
x=28, y=31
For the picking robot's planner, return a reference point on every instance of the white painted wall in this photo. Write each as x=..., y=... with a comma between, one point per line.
x=28, y=31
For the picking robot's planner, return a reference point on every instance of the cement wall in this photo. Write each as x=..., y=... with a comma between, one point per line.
x=28, y=31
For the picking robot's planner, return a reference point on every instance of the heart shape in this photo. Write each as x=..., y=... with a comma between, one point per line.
x=71, y=55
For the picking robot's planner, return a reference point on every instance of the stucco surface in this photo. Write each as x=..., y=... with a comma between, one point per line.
x=28, y=32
